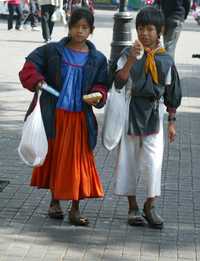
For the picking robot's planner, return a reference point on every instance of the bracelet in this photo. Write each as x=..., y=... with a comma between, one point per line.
x=171, y=118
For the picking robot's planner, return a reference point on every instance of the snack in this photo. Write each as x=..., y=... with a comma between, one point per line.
x=138, y=57
x=92, y=97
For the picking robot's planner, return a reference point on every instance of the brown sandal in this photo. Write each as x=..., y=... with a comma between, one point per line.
x=55, y=211
x=76, y=219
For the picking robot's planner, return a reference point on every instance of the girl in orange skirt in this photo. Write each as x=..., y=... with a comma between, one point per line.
x=74, y=68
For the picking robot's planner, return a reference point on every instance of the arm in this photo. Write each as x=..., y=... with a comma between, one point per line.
x=122, y=74
x=32, y=72
x=100, y=85
x=30, y=77
x=172, y=99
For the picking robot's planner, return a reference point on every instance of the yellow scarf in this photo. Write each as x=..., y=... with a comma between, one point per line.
x=150, y=65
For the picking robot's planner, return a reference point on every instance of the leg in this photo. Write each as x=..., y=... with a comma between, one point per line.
x=150, y=214
x=132, y=203
x=44, y=22
x=171, y=36
x=126, y=173
x=55, y=210
x=19, y=17
x=153, y=155
x=27, y=19
x=74, y=215
x=51, y=24
x=10, y=16
x=134, y=216
x=32, y=13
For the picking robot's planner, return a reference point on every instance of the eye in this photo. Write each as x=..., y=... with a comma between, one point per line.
x=140, y=29
x=85, y=27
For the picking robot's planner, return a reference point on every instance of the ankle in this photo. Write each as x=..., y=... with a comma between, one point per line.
x=133, y=205
x=54, y=202
x=149, y=203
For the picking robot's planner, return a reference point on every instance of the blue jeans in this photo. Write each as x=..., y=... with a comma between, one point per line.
x=32, y=16
x=12, y=9
x=47, y=24
x=171, y=35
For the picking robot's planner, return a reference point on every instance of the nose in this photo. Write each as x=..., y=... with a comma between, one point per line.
x=144, y=31
x=80, y=29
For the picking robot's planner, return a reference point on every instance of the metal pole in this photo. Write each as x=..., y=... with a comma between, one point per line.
x=122, y=30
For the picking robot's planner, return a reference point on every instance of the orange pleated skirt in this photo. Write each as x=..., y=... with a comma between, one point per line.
x=69, y=170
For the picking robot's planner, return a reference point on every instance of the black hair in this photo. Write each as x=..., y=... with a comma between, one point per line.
x=81, y=13
x=151, y=16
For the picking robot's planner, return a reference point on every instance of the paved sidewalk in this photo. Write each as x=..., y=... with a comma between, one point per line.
x=26, y=232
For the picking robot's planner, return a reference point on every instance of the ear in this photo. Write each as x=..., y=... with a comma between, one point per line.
x=162, y=30
x=92, y=30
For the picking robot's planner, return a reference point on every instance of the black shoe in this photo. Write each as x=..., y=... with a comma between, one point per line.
x=153, y=218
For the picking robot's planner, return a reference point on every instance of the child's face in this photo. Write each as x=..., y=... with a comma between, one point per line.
x=148, y=36
x=80, y=31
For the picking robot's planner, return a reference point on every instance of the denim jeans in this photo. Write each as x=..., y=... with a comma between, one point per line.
x=171, y=35
x=47, y=24
x=12, y=9
x=32, y=16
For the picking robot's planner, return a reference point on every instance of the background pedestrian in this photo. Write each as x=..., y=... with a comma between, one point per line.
x=47, y=9
x=175, y=12
x=14, y=6
x=33, y=15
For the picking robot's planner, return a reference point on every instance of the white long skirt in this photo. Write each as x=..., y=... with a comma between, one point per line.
x=140, y=156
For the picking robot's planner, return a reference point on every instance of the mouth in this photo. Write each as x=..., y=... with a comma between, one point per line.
x=145, y=39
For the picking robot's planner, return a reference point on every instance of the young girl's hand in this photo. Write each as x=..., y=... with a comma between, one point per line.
x=39, y=86
x=94, y=103
x=171, y=131
x=92, y=98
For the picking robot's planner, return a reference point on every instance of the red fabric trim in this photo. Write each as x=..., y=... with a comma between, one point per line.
x=29, y=76
x=72, y=64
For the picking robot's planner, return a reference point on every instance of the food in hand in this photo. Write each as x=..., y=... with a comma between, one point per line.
x=138, y=57
x=94, y=97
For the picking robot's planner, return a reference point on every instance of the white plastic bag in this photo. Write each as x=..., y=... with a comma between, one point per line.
x=114, y=118
x=59, y=16
x=33, y=146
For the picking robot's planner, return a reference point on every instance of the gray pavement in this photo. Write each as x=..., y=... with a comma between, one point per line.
x=26, y=232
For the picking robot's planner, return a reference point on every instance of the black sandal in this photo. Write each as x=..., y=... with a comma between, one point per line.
x=76, y=219
x=55, y=211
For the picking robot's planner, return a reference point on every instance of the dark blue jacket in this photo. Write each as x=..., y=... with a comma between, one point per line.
x=45, y=63
x=175, y=9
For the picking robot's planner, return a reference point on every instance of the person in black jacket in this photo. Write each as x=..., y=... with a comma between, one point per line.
x=175, y=12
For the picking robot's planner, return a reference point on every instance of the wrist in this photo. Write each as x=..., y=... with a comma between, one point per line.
x=171, y=119
x=131, y=59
